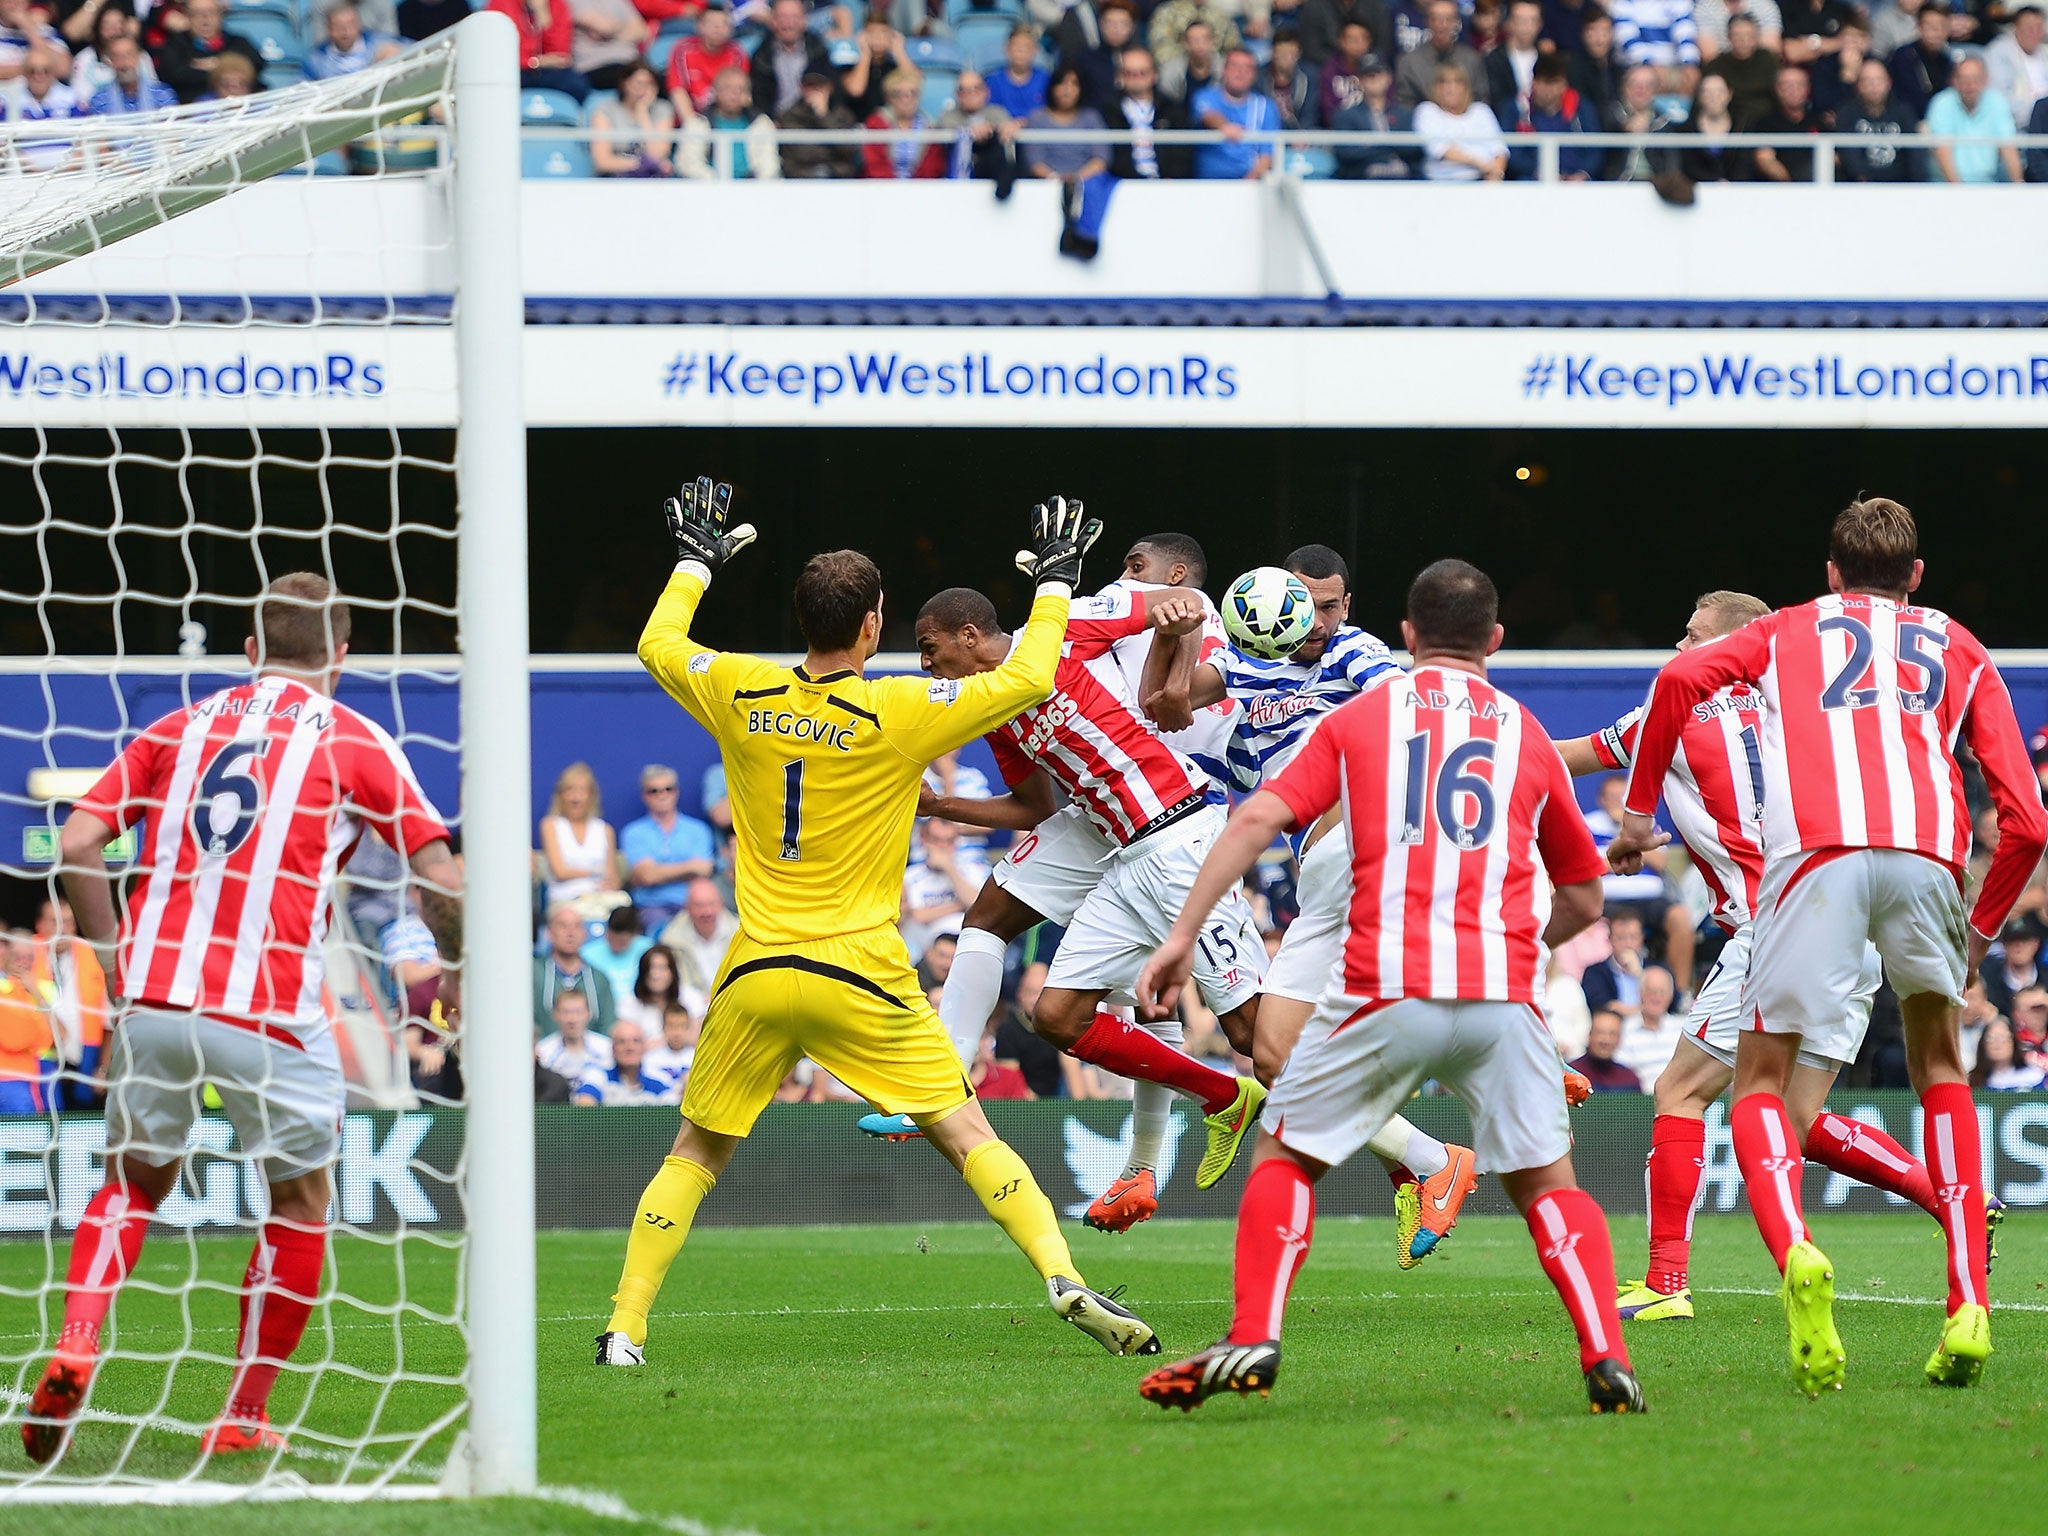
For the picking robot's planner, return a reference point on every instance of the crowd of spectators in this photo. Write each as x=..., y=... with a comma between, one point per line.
x=676, y=88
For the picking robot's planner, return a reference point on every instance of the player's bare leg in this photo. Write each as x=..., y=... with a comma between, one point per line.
x=667, y=1207
x=1014, y=1202
x=278, y=1291
x=1275, y=1226
x=104, y=1250
x=1431, y=1178
x=1681, y=942
x=1577, y=1253
x=1767, y=1146
x=1955, y=1160
x=1072, y=1020
x=973, y=988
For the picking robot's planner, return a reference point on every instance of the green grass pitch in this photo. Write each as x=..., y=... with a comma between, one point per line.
x=892, y=1380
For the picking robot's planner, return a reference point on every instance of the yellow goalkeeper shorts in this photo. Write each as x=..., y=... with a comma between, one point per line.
x=851, y=1004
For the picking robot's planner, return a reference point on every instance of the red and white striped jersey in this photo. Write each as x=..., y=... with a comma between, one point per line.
x=1206, y=741
x=1089, y=735
x=254, y=797
x=1715, y=790
x=1864, y=700
x=1456, y=803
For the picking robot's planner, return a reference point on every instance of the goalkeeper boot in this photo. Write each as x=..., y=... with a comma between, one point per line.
x=1958, y=1360
x=1227, y=1130
x=1131, y=1199
x=56, y=1400
x=1611, y=1387
x=890, y=1127
x=617, y=1349
x=1994, y=1218
x=1641, y=1302
x=244, y=1432
x=1116, y=1328
x=1425, y=1212
x=1224, y=1367
x=1808, y=1291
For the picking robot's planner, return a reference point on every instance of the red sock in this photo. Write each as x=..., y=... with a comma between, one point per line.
x=1678, y=1158
x=1398, y=1174
x=277, y=1298
x=103, y=1254
x=1955, y=1158
x=1128, y=1051
x=1571, y=1239
x=1276, y=1221
x=1771, y=1169
x=1865, y=1154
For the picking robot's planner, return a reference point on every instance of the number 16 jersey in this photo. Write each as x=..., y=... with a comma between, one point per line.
x=1456, y=805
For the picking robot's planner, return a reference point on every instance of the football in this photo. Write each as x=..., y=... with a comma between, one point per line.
x=1268, y=613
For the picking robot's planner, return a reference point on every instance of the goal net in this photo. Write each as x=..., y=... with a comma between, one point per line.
x=235, y=343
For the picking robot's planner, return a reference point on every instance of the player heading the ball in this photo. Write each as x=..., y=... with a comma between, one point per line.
x=822, y=770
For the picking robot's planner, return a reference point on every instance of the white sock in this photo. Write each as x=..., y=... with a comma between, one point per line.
x=1402, y=1145
x=973, y=988
x=1151, y=1107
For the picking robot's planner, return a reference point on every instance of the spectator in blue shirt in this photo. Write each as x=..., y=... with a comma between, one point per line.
x=617, y=951
x=1019, y=86
x=348, y=47
x=1236, y=108
x=1554, y=107
x=1966, y=107
x=665, y=850
x=129, y=91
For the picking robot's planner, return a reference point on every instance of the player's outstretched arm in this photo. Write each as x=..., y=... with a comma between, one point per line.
x=1023, y=808
x=1176, y=683
x=1251, y=831
x=697, y=520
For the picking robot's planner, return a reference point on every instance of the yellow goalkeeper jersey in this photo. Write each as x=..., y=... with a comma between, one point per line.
x=822, y=772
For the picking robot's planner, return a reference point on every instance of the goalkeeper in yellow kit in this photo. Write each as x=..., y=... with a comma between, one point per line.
x=822, y=768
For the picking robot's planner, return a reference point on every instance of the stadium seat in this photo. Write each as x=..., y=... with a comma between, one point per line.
x=333, y=163
x=959, y=10
x=277, y=76
x=980, y=38
x=659, y=48
x=555, y=159
x=598, y=99
x=549, y=107
x=1311, y=164
x=929, y=53
x=269, y=31
x=844, y=52
x=938, y=90
x=750, y=40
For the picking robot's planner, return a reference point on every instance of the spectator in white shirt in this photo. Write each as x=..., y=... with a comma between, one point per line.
x=942, y=884
x=626, y=1080
x=572, y=1049
x=2018, y=60
x=655, y=988
x=1461, y=138
x=1710, y=20
x=673, y=1056
x=699, y=939
x=1648, y=1039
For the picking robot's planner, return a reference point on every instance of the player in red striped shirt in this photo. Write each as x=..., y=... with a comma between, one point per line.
x=253, y=797
x=1150, y=807
x=1866, y=836
x=1715, y=792
x=1460, y=818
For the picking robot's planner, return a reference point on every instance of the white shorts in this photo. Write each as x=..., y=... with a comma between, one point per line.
x=285, y=1103
x=1311, y=957
x=1359, y=1060
x=1717, y=1013
x=1818, y=914
x=1134, y=907
x=1054, y=866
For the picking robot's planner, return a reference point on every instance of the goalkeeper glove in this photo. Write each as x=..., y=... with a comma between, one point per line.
x=696, y=520
x=1059, y=538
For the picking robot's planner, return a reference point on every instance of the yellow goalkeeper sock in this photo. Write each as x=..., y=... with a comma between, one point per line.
x=1013, y=1200
x=667, y=1207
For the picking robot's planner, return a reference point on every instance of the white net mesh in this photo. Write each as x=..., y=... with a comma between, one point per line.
x=241, y=390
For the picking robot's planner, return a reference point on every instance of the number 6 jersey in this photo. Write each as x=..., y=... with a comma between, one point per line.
x=1864, y=699
x=254, y=796
x=1456, y=805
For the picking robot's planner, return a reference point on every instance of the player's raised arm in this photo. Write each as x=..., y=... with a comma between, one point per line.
x=1176, y=682
x=697, y=521
x=1029, y=802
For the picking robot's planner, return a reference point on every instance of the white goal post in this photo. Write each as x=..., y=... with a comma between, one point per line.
x=75, y=189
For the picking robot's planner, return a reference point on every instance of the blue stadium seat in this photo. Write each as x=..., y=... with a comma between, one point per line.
x=659, y=48
x=598, y=99
x=750, y=40
x=549, y=107
x=929, y=53
x=277, y=76
x=1311, y=164
x=269, y=31
x=333, y=163
x=981, y=37
x=555, y=159
x=938, y=90
x=678, y=26
x=844, y=52
x=958, y=10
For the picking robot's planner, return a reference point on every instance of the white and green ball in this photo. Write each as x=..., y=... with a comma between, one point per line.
x=1268, y=613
